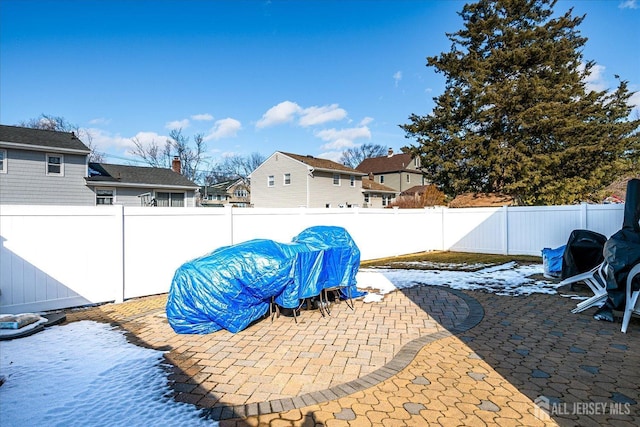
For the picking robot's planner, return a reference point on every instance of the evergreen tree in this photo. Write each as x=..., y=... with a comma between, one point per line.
x=516, y=116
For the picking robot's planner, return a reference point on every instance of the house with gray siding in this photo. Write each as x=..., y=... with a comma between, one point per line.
x=376, y=195
x=44, y=167
x=287, y=180
x=140, y=186
x=398, y=171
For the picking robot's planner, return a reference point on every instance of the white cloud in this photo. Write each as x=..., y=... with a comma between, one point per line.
x=318, y=115
x=628, y=4
x=338, y=139
x=331, y=155
x=284, y=112
x=366, y=121
x=99, y=121
x=177, y=124
x=206, y=117
x=288, y=111
x=224, y=128
x=595, y=80
x=104, y=141
x=397, y=76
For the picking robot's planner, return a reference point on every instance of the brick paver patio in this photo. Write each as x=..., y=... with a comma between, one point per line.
x=423, y=356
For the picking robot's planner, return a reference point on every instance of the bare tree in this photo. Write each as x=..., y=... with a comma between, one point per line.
x=60, y=124
x=233, y=167
x=177, y=145
x=355, y=155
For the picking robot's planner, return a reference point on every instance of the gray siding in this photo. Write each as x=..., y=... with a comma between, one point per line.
x=313, y=191
x=280, y=195
x=130, y=196
x=323, y=192
x=398, y=180
x=26, y=180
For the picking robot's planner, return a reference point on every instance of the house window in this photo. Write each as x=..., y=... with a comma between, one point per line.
x=287, y=179
x=55, y=164
x=381, y=179
x=366, y=197
x=336, y=179
x=352, y=181
x=385, y=200
x=408, y=178
x=416, y=162
x=3, y=161
x=105, y=196
x=170, y=199
x=271, y=181
x=241, y=192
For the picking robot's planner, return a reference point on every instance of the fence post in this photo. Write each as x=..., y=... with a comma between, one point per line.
x=120, y=255
x=505, y=234
x=442, y=236
x=583, y=216
x=229, y=213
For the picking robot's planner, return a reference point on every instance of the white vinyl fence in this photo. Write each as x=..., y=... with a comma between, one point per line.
x=60, y=257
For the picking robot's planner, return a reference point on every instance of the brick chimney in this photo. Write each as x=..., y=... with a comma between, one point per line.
x=176, y=165
x=390, y=152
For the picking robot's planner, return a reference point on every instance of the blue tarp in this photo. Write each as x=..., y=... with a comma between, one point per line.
x=232, y=286
x=552, y=261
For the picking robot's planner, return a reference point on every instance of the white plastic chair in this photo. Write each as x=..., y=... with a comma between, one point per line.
x=595, y=279
x=631, y=304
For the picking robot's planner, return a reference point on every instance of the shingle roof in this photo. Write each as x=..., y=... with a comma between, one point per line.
x=322, y=163
x=384, y=164
x=369, y=185
x=104, y=173
x=42, y=138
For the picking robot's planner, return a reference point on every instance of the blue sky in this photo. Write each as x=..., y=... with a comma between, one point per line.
x=308, y=77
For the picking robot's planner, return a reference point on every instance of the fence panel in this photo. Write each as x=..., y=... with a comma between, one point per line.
x=63, y=256
x=157, y=241
x=58, y=256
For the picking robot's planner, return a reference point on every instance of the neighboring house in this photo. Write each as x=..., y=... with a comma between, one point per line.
x=398, y=171
x=43, y=167
x=236, y=193
x=376, y=195
x=140, y=186
x=288, y=180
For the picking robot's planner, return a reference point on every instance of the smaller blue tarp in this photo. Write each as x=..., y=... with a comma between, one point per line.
x=233, y=286
x=552, y=261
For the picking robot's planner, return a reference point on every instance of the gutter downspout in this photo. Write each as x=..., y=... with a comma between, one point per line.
x=309, y=175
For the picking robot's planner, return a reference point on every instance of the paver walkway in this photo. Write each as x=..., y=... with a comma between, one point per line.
x=423, y=356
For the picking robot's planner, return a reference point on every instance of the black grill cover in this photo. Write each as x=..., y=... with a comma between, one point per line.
x=583, y=252
x=622, y=250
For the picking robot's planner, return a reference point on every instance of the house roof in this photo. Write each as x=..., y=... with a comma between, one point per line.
x=477, y=200
x=41, y=140
x=386, y=164
x=416, y=189
x=616, y=192
x=136, y=176
x=323, y=164
x=370, y=186
x=223, y=186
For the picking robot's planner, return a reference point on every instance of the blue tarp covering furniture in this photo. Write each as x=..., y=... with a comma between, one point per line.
x=233, y=286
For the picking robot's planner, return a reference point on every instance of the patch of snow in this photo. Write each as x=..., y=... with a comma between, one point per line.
x=86, y=373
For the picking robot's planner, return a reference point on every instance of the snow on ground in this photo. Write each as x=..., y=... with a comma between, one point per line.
x=86, y=373
x=504, y=279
